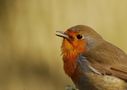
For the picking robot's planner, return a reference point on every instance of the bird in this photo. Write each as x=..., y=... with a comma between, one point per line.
x=91, y=62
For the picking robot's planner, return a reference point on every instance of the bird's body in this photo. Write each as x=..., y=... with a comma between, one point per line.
x=91, y=62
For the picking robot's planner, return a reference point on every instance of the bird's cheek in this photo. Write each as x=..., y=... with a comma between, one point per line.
x=82, y=46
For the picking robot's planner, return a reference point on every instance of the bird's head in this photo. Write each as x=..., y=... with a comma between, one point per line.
x=78, y=39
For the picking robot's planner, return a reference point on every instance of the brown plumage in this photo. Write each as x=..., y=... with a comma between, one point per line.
x=91, y=62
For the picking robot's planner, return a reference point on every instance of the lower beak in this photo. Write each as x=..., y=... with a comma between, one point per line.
x=62, y=34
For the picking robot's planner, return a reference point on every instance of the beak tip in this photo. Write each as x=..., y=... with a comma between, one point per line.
x=62, y=34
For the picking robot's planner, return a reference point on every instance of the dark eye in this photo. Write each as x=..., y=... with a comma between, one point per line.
x=79, y=36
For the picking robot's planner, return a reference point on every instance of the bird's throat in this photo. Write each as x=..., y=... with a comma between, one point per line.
x=70, y=54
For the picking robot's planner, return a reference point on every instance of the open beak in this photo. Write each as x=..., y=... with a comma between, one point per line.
x=62, y=34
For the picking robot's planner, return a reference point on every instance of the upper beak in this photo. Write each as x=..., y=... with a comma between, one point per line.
x=62, y=34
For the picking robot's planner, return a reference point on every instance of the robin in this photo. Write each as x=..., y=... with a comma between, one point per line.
x=91, y=62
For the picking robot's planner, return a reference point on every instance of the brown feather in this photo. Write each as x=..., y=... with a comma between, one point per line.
x=108, y=59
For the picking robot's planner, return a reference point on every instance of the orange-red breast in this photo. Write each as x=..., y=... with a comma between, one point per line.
x=91, y=62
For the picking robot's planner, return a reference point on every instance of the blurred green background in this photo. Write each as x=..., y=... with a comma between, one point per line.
x=30, y=57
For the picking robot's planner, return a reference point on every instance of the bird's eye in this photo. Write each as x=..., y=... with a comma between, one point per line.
x=79, y=36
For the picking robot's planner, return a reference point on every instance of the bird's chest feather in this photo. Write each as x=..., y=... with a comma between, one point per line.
x=71, y=51
x=70, y=64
